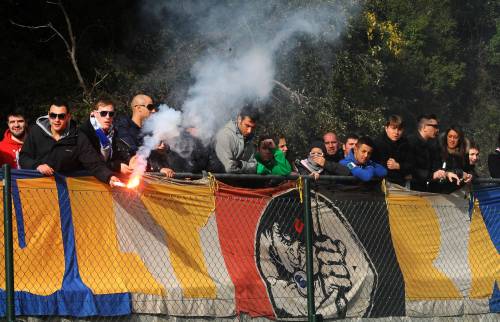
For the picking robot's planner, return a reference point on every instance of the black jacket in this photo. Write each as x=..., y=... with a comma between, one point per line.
x=71, y=153
x=191, y=156
x=166, y=158
x=427, y=158
x=494, y=164
x=129, y=133
x=333, y=158
x=454, y=163
x=400, y=151
x=119, y=152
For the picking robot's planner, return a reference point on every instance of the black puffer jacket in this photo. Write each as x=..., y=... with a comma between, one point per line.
x=400, y=151
x=71, y=153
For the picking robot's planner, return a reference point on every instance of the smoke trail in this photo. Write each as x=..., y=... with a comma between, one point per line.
x=240, y=66
x=163, y=126
x=243, y=40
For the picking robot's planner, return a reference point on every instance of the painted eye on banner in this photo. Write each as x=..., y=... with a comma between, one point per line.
x=300, y=279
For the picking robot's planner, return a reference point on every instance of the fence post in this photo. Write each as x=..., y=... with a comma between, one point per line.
x=311, y=309
x=9, y=252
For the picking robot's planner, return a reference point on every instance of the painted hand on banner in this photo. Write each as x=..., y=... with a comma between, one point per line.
x=333, y=275
x=287, y=278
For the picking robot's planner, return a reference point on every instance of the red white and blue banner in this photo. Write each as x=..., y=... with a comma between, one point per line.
x=82, y=249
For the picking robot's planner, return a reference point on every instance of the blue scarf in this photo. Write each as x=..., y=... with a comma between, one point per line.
x=105, y=140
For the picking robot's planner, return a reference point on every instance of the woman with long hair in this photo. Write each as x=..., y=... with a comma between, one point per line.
x=454, y=158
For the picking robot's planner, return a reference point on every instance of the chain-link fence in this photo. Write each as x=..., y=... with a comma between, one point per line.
x=205, y=250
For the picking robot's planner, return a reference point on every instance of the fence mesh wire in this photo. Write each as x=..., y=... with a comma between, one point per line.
x=161, y=255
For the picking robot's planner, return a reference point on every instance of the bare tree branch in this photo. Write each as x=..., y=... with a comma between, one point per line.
x=294, y=95
x=48, y=26
x=96, y=82
x=29, y=27
x=66, y=44
x=70, y=45
x=72, y=48
x=48, y=39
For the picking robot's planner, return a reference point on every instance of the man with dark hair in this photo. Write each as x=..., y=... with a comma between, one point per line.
x=100, y=131
x=233, y=143
x=425, y=149
x=332, y=147
x=129, y=128
x=393, y=151
x=54, y=144
x=494, y=161
x=359, y=163
x=13, y=139
x=350, y=141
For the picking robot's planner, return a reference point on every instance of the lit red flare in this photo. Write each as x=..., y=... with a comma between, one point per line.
x=134, y=182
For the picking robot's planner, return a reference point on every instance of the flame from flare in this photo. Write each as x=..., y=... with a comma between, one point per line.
x=134, y=182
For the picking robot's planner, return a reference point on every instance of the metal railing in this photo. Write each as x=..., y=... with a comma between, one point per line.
x=9, y=248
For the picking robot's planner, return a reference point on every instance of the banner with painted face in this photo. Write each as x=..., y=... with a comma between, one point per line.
x=204, y=249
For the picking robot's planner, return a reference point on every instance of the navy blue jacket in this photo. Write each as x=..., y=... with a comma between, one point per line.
x=129, y=133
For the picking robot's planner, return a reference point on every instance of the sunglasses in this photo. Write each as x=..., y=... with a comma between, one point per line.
x=106, y=113
x=150, y=107
x=60, y=116
x=436, y=126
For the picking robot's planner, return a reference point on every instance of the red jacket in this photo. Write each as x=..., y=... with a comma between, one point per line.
x=9, y=150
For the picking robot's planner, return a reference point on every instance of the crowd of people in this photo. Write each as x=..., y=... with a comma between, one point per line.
x=106, y=145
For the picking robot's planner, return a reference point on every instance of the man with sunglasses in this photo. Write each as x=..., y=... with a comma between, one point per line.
x=100, y=131
x=425, y=149
x=54, y=144
x=129, y=128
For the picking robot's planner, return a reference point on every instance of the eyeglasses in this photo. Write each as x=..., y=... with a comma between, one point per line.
x=150, y=107
x=60, y=116
x=106, y=113
x=436, y=126
x=316, y=154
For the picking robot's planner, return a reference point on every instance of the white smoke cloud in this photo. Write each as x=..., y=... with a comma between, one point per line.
x=254, y=32
x=223, y=85
x=239, y=65
x=164, y=126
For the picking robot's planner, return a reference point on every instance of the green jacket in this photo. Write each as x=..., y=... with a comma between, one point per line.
x=278, y=165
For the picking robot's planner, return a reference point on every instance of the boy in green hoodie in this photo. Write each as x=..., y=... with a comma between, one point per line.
x=270, y=159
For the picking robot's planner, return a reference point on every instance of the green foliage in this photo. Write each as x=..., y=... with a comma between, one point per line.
x=494, y=47
x=395, y=56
